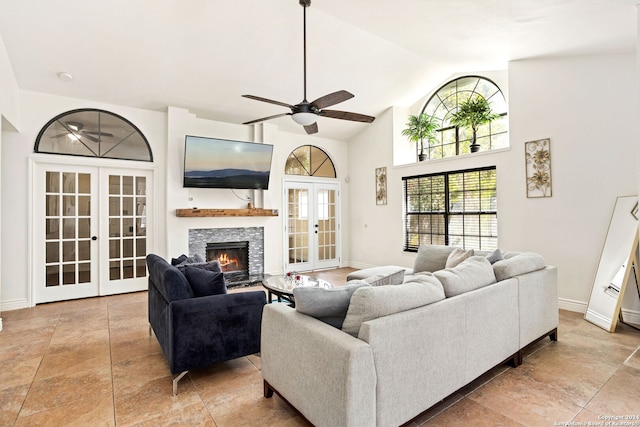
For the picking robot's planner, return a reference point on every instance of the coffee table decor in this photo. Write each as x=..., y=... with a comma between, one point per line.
x=282, y=286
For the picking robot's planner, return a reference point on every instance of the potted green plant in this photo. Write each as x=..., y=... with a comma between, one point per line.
x=419, y=128
x=473, y=113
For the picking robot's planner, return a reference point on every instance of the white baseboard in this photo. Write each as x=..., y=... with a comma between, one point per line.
x=629, y=316
x=15, y=304
x=572, y=305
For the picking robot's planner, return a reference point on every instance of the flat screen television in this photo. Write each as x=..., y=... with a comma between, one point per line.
x=224, y=163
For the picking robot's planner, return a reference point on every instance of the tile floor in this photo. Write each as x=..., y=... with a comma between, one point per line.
x=92, y=362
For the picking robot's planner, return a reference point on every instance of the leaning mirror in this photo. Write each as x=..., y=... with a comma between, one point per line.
x=616, y=267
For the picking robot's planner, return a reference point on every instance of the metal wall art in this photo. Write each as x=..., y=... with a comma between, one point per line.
x=381, y=186
x=538, y=164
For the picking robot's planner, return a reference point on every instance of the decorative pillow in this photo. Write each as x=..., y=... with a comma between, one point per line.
x=521, y=263
x=394, y=278
x=494, y=256
x=196, y=259
x=327, y=305
x=472, y=273
x=369, y=303
x=456, y=256
x=175, y=261
x=204, y=282
x=431, y=258
x=211, y=266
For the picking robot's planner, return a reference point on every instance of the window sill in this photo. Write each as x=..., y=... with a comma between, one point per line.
x=454, y=158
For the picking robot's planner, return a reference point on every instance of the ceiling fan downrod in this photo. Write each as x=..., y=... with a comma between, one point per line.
x=305, y=4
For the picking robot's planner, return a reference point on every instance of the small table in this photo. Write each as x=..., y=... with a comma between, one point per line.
x=283, y=286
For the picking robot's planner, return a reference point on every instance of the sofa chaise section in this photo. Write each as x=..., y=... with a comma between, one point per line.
x=326, y=374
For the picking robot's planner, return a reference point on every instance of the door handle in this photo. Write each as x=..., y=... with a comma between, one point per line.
x=94, y=237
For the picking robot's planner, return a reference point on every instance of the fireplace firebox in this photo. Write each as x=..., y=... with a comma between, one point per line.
x=233, y=258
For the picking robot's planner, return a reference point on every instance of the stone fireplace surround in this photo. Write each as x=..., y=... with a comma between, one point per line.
x=199, y=237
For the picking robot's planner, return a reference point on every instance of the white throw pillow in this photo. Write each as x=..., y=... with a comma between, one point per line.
x=473, y=273
x=457, y=256
x=521, y=263
x=369, y=303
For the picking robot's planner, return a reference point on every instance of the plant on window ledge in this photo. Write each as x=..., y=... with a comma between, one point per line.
x=473, y=113
x=419, y=128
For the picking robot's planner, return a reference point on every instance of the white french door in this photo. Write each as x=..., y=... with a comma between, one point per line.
x=312, y=230
x=90, y=231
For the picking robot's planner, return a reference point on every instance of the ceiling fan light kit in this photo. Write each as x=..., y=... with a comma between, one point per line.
x=306, y=113
x=304, y=119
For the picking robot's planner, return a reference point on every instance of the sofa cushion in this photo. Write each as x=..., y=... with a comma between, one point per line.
x=369, y=303
x=384, y=270
x=456, y=256
x=390, y=278
x=524, y=262
x=328, y=305
x=431, y=258
x=494, y=256
x=472, y=273
x=204, y=282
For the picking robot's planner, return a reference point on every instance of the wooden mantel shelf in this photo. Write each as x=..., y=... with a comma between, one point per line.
x=225, y=212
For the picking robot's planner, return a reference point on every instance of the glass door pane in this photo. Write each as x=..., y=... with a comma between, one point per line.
x=298, y=225
x=326, y=224
x=127, y=226
x=67, y=228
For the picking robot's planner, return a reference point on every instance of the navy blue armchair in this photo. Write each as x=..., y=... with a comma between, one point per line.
x=197, y=331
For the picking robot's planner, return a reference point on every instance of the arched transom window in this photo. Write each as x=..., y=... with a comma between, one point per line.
x=93, y=133
x=453, y=140
x=308, y=160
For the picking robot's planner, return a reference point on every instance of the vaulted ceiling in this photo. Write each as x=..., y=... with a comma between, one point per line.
x=204, y=54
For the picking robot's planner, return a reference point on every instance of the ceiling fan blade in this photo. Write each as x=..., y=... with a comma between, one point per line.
x=90, y=138
x=60, y=135
x=311, y=129
x=270, y=101
x=332, y=99
x=91, y=132
x=346, y=115
x=266, y=118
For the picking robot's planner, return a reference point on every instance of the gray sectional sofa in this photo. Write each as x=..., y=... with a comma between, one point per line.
x=402, y=348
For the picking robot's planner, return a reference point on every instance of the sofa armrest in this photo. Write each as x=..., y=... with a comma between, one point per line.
x=326, y=374
x=214, y=328
x=538, y=304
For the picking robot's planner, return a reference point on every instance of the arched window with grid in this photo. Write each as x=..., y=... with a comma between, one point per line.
x=453, y=140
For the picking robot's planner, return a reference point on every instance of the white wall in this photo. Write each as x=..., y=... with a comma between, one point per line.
x=181, y=123
x=8, y=89
x=587, y=107
x=8, y=121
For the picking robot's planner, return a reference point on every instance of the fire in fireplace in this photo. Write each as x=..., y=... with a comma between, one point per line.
x=233, y=258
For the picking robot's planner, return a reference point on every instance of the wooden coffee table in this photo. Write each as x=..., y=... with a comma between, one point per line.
x=282, y=286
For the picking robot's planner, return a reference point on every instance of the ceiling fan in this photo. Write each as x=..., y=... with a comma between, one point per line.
x=75, y=131
x=306, y=113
